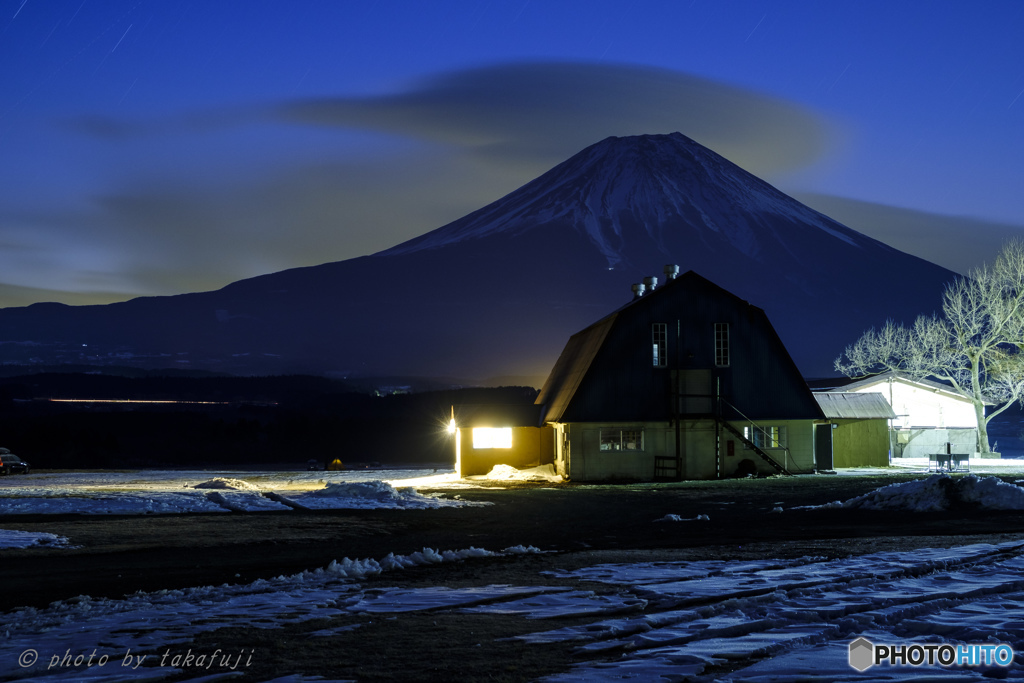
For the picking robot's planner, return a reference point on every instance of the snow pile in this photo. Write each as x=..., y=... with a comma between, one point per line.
x=372, y=495
x=360, y=569
x=939, y=492
x=922, y=495
x=991, y=493
x=522, y=550
x=676, y=518
x=225, y=483
x=428, y=556
x=509, y=473
x=25, y=539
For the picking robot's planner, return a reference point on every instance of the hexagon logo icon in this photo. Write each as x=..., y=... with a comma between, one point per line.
x=862, y=654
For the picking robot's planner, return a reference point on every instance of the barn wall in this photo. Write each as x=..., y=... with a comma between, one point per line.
x=799, y=459
x=587, y=462
x=580, y=457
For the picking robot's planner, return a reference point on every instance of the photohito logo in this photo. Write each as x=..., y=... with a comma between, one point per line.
x=864, y=654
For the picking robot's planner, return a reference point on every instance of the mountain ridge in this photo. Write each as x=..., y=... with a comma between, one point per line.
x=498, y=291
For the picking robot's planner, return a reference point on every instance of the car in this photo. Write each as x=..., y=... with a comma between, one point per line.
x=10, y=463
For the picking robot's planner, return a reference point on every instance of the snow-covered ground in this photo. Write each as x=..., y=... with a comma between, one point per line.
x=127, y=637
x=785, y=620
x=757, y=621
x=181, y=491
x=171, y=491
x=190, y=491
x=764, y=620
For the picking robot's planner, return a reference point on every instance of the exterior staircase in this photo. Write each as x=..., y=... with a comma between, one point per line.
x=775, y=464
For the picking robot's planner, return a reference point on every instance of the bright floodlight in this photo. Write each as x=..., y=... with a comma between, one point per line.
x=451, y=426
x=492, y=437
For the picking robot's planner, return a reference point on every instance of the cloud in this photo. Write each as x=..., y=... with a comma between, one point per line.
x=542, y=113
x=195, y=201
x=958, y=243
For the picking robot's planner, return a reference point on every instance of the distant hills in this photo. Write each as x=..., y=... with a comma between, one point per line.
x=492, y=297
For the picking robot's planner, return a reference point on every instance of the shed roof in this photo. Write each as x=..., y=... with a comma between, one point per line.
x=848, y=404
x=932, y=385
x=497, y=414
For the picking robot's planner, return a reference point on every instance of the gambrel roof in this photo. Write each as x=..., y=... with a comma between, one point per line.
x=605, y=372
x=571, y=367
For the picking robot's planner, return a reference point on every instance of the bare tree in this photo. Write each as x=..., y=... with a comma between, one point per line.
x=977, y=345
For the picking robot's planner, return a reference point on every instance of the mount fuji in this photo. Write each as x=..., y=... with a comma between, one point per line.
x=498, y=292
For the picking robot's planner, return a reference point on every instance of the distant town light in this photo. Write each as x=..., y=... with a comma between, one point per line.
x=151, y=401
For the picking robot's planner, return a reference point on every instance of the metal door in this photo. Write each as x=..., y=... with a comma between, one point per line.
x=823, y=446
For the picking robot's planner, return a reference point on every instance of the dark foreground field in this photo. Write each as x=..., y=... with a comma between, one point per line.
x=584, y=525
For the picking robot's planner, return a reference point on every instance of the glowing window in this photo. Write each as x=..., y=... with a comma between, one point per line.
x=492, y=437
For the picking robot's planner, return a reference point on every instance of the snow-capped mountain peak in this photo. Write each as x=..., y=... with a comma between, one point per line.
x=624, y=188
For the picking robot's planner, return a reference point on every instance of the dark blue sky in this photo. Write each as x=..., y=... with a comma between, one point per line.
x=157, y=147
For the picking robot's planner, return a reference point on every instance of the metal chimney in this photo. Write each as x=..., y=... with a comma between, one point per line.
x=650, y=282
x=638, y=290
x=671, y=272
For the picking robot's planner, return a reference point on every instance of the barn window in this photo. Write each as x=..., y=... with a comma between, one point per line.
x=659, y=344
x=722, y=344
x=492, y=437
x=622, y=439
x=771, y=436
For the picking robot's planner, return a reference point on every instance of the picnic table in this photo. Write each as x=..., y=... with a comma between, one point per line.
x=949, y=462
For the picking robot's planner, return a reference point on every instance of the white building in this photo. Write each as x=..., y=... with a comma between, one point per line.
x=929, y=415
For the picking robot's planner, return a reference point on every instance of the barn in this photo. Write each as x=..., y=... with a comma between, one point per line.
x=686, y=381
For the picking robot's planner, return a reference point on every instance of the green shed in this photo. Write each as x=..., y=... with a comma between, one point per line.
x=860, y=427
